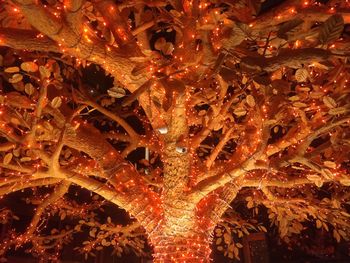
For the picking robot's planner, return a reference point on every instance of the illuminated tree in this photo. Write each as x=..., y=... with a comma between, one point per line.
x=230, y=105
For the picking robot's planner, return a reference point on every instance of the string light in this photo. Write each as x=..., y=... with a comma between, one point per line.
x=179, y=232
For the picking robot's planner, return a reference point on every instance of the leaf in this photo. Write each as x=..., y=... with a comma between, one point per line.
x=301, y=75
x=16, y=78
x=137, y=93
x=345, y=182
x=44, y=72
x=16, y=152
x=105, y=243
x=250, y=100
x=29, y=66
x=48, y=126
x=168, y=48
x=116, y=92
x=304, y=89
x=98, y=248
x=313, y=177
x=227, y=238
x=56, y=102
x=219, y=62
x=238, y=33
x=174, y=85
x=336, y=111
x=331, y=29
x=325, y=226
x=7, y=158
x=263, y=229
x=218, y=241
x=319, y=65
x=342, y=233
x=160, y=43
x=92, y=232
x=345, y=213
x=15, y=99
x=336, y=235
x=25, y=159
x=227, y=74
x=12, y=70
x=318, y=223
x=319, y=183
x=294, y=98
x=63, y=215
x=54, y=231
x=299, y=105
x=250, y=204
x=240, y=112
x=329, y=102
x=236, y=251
x=218, y=232
x=261, y=80
x=29, y=89
x=330, y=164
x=287, y=27
x=15, y=121
x=278, y=74
x=202, y=112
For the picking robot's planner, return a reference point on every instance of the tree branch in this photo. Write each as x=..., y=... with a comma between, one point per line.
x=305, y=135
x=58, y=192
x=294, y=58
x=129, y=186
x=297, y=9
x=221, y=178
x=138, y=201
x=114, y=117
x=27, y=40
x=118, y=26
x=91, y=48
x=219, y=147
x=17, y=186
x=283, y=183
x=74, y=14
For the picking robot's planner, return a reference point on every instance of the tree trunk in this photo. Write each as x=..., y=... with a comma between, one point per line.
x=182, y=236
x=195, y=247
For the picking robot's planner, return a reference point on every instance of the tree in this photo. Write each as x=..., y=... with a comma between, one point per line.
x=231, y=105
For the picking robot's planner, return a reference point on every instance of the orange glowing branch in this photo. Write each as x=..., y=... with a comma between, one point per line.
x=27, y=40
x=118, y=26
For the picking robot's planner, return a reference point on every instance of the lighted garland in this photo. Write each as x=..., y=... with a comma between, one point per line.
x=225, y=112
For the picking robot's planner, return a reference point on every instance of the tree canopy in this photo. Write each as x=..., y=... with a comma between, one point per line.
x=189, y=115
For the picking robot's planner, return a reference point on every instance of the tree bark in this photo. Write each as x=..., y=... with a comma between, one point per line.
x=194, y=247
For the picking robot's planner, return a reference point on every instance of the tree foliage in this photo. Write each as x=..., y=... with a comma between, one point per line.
x=206, y=114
